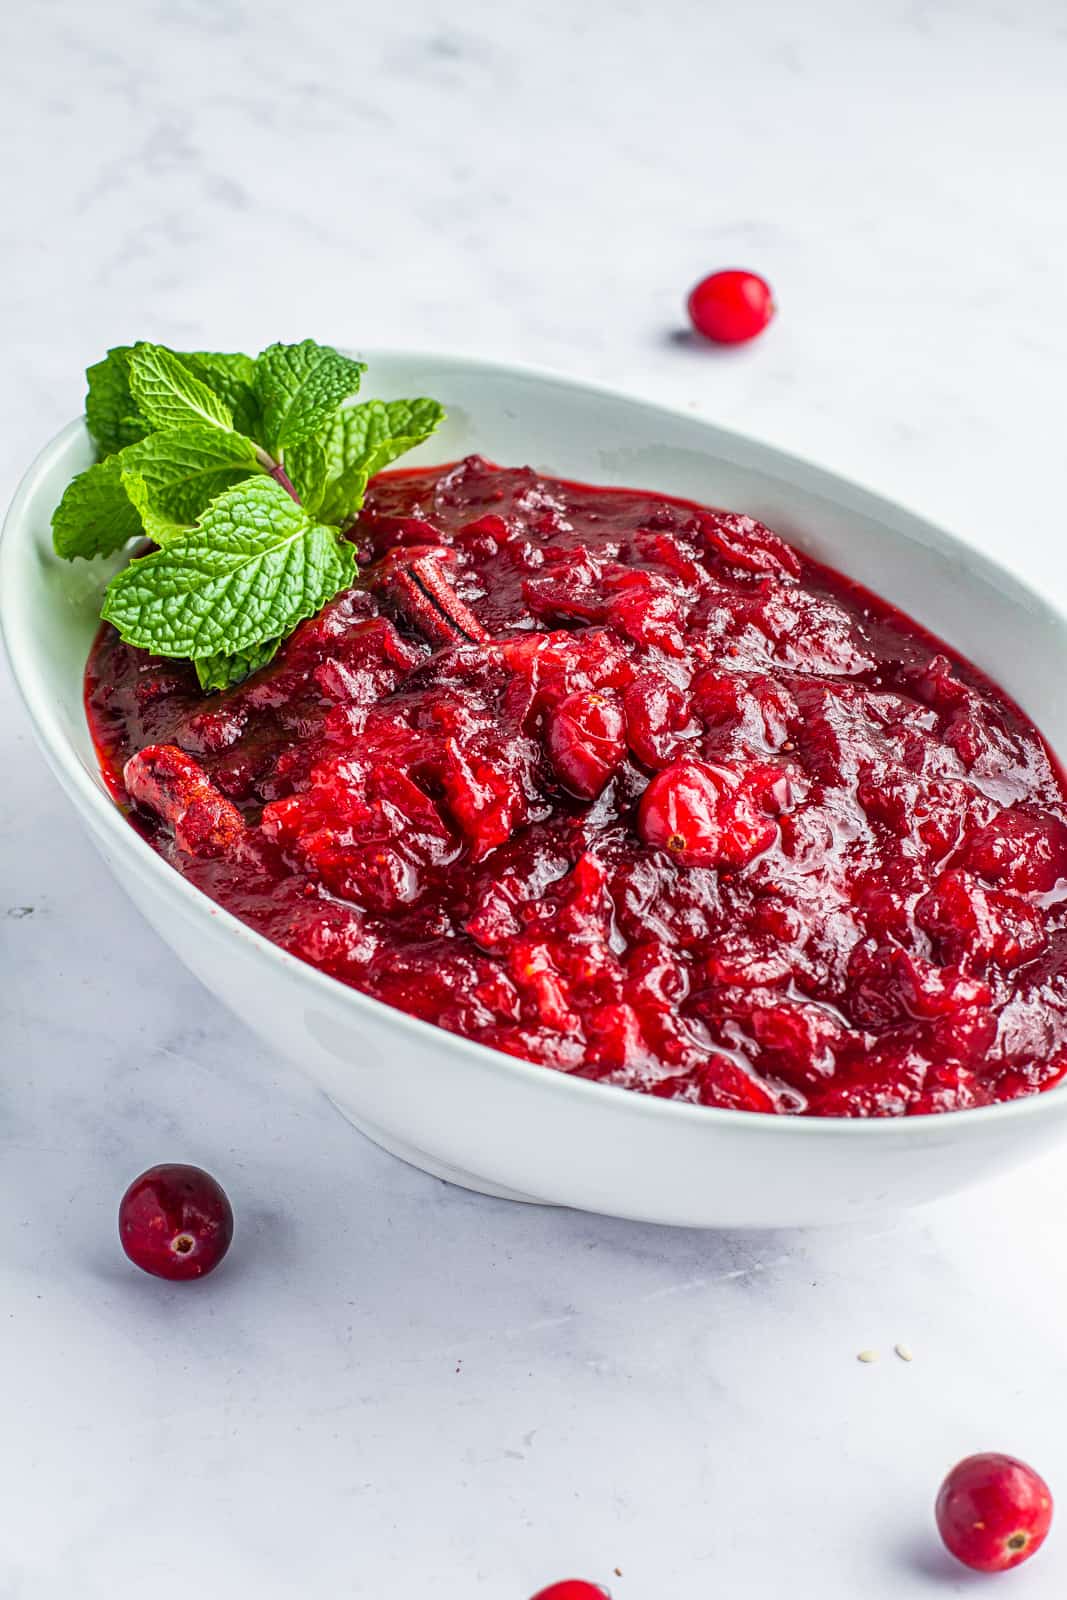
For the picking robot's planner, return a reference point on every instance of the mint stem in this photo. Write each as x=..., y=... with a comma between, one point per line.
x=276, y=471
x=279, y=474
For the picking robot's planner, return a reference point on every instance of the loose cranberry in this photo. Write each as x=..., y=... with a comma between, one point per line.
x=572, y=1589
x=175, y=1222
x=586, y=741
x=993, y=1512
x=731, y=307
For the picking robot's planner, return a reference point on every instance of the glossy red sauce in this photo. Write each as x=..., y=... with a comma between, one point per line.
x=698, y=817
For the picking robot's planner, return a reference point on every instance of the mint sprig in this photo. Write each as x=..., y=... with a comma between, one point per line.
x=244, y=472
x=232, y=377
x=169, y=395
x=254, y=566
x=110, y=409
x=306, y=468
x=300, y=386
x=224, y=671
x=95, y=516
x=360, y=440
x=171, y=476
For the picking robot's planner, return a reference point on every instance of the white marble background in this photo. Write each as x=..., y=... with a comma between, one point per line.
x=396, y=1388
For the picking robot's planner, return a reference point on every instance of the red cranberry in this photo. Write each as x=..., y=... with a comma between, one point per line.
x=741, y=541
x=657, y=712
x=572, y=1589
x=1021, y=851
x=731, y=307
x=586, y=740
x=175, y=1222
x=703, y=816
x=993, y=1512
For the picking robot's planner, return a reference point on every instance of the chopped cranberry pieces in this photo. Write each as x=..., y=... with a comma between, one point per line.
x=629, y=787
x=975, y=927
x=658, y=719
x=1021, y=851
x=369, y=833
x=993, y=1512
x=486, y=796
x=889, y=985
x=746, y=545
x=210, y=732
x=723, y=1083
x=586, y=741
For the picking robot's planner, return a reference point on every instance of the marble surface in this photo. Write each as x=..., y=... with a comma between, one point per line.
x=394, y=1387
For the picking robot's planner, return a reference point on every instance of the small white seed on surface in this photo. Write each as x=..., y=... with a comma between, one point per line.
x=867, y=1356
x=904, y=1352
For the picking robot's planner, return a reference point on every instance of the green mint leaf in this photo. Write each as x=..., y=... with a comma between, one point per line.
x=254, y=566
x=110, y=409
x=159, y=527
x=225, y=367
x=374, y=433
x=96, y=515
x=172, y=475
x=305, y=466
x=299, y=387
x=223, y=672
x=343, y=497
x=168, y=394
x=232, y=377
x=363, y=439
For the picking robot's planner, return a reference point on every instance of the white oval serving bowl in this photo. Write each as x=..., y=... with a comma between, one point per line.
x=458, y=1109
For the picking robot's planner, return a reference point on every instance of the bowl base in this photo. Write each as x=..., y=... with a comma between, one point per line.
x=414, y=1157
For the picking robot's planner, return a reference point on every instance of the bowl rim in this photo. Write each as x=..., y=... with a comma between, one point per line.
x=17, y=634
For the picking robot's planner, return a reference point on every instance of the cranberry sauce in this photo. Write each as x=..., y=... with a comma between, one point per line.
x=630, y=788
